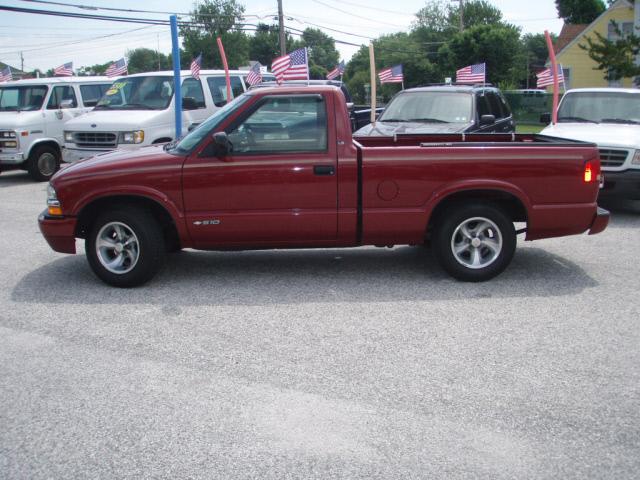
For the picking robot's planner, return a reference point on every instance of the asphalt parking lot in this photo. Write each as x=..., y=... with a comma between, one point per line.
x=363, y=363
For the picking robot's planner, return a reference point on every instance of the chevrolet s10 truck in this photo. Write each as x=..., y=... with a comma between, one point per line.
x=278, y=168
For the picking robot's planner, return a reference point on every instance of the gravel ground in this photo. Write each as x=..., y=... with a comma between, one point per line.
x=361, y=363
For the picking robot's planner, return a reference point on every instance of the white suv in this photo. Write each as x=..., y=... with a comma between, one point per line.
x=138, y=110
x=32, y=115
x=610, y=118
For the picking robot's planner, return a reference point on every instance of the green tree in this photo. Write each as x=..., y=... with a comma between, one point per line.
x=264, y=45
x=535, y=56
x=580, y=11
x=475, y=12
x=215, y=18
x=615, y=57
x=322, y=48
x=146, y=60
x=497, y=46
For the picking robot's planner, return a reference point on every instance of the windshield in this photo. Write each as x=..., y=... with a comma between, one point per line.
x=194, y=137
x=22, y=98
x=600, y=107
x=429, y=107
x=138, y=93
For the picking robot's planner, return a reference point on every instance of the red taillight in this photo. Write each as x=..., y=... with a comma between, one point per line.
x=588, y=173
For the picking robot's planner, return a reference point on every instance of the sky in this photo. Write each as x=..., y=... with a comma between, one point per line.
x=47, y=42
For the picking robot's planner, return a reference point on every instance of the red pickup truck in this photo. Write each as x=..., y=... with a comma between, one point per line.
x=278, y=168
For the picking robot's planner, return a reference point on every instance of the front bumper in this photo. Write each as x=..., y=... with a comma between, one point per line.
x=600, y=221
x=621, y=185
x=59, y=232
x=71, y=155
x=11, y=158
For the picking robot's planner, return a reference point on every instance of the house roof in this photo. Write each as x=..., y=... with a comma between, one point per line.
x=568, y=34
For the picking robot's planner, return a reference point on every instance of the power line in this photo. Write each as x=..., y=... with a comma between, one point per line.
x=369, y=7
x=357, y=16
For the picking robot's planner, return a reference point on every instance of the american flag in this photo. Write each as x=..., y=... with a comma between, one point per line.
x=5, y=74
x=195, y=67
x=65, y=70
x=117, y=68
x=391, y=75
x=472, y=74
x=336, y=72
x=545, y=77
x=255, y=75
x=293, y=66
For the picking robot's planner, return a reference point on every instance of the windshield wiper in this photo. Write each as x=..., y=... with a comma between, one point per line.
x=427, y=120
x=620, y=120
x=135, y=106
x=576, y=119
x=392, y=120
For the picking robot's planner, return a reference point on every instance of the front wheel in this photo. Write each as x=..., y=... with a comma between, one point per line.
x=474, y=243
x=125, y=248
x=43, y=162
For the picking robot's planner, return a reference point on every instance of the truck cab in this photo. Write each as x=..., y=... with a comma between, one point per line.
x=609, y=117
x=138, y=111
x=32, y=117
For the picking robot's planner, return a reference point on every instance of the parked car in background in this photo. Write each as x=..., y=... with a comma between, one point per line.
x=138, y=110
x=32, y=115
x=444, y=109
x=609, y=117
x=278, y=168
x=360, y=115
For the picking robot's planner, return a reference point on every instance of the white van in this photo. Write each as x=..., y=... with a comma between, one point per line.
x=138, y=110
x=32, y=115
x=610, y=118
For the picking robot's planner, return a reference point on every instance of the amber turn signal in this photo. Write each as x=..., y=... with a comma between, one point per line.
x=54, y=211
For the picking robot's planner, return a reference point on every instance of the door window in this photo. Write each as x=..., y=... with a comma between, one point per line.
x=283, y=124
x=59, y=94
x=218, y=88
x=494, y=103
x=192, y=89
x=483, y=106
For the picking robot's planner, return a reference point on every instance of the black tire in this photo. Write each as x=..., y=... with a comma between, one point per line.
x=148, y=238
x=43, y=162
x=481, y=260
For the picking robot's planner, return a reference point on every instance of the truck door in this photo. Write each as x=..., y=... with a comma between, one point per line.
x=61, y=107
x=279, y=184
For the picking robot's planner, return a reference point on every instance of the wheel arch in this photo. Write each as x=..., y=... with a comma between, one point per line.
x=511, y=202
x=49, y=142
x=89, y=212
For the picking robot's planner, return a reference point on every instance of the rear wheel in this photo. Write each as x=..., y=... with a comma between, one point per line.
x=125, y=248
x=43, y=162
x=474, y=243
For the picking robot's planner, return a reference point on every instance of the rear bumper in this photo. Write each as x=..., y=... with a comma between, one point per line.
x=58, y=232
x=600, y=221
x=621, y=185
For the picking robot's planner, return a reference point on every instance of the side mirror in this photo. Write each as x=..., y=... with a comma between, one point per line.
x=223, y=145
x=220, y=103
x=487, y=119
x=545, y=118
x=189, y=103
x=68, y=103
x=350, y=106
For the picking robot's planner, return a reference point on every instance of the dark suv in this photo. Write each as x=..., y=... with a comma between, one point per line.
x=444, y=109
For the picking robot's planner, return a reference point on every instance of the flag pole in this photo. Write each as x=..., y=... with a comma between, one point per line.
x=177, y=87
x=554, y=72
x=372, y=67
x=226, y=68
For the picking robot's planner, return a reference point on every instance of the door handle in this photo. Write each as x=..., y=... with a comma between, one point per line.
x=323, y=170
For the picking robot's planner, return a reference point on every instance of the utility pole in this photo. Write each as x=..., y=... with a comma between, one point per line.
x=283, y=43
x=462, y=15
x=21, y=62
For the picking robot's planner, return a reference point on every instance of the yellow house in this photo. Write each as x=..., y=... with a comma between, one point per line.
x=579, y=70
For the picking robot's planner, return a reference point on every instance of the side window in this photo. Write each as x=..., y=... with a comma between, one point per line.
x=483, y=105
x=505, y=106
x=218, y=88
x=283, y=124
x=193, y=94
x=494, y=104
x=91, y=94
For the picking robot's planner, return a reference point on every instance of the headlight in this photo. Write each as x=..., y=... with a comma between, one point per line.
x=53, y=204
x=11, y=144
x=68, y=137
x=137, y=136
x=8, y=134
x=636, y=158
